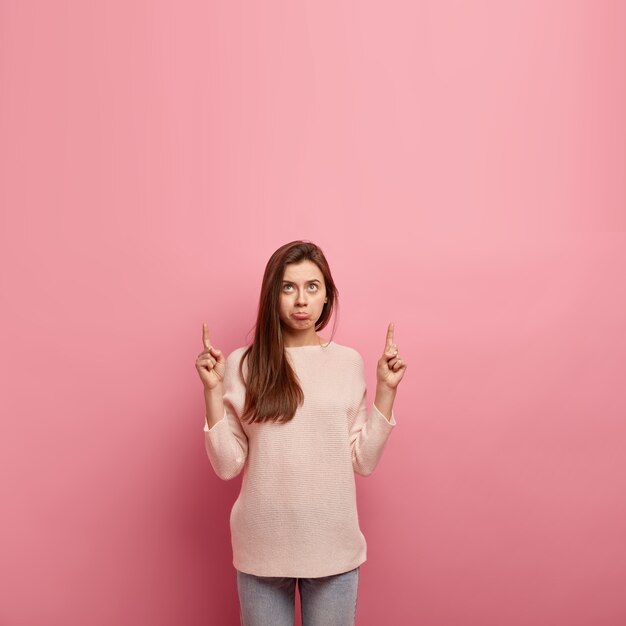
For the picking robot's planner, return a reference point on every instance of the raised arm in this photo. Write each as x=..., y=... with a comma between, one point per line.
x=226, y=442
x=211, y=367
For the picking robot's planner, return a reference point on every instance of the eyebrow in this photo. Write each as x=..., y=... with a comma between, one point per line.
x=290, y=282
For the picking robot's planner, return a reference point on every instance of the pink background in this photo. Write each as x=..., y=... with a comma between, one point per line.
x=462, y=165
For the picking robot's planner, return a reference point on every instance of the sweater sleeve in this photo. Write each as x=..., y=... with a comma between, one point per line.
x=226, y=442
x=369, y=431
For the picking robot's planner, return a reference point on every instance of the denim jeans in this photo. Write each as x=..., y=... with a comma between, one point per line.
x=325, y=601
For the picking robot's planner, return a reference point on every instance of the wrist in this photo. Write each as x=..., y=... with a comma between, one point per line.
x=213, y=405
x=209, y=392
x=385, y=391
x=384, y=399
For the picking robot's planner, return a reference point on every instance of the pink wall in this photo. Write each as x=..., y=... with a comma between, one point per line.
x=463, y=166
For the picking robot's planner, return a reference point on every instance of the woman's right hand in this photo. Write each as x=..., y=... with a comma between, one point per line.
x=211, y=364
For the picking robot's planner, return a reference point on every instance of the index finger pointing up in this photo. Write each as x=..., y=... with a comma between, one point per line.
x=389, y=336
x=205, y=336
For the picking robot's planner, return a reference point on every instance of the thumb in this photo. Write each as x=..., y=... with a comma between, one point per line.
x=217, y=353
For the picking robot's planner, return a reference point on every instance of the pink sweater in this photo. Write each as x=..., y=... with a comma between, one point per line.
x=296, y=514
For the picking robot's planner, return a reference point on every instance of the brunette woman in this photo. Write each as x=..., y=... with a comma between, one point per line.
x=290, y=410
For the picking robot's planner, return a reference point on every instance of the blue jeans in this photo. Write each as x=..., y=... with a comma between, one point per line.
x=325, y=601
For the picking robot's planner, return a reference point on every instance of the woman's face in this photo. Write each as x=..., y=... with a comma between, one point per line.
x=301, y=298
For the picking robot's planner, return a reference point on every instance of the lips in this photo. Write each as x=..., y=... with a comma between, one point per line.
x=301, y=316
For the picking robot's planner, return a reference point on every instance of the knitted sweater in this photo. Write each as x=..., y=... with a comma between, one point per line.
x=296, y=514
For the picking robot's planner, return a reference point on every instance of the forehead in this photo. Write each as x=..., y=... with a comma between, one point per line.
x=303, y=271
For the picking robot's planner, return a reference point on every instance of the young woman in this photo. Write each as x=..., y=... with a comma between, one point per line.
x=290, y=410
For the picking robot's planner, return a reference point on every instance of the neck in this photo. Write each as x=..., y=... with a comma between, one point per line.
x=289, y=341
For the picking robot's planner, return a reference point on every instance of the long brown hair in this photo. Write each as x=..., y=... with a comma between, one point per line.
x=272, y=388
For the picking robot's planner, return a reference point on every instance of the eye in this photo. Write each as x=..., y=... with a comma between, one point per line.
x=314, y=286
x=285, y=287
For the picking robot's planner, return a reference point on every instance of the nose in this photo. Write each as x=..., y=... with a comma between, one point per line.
x=301, y=298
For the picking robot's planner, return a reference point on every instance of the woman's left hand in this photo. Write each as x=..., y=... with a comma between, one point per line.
x=391, y=367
